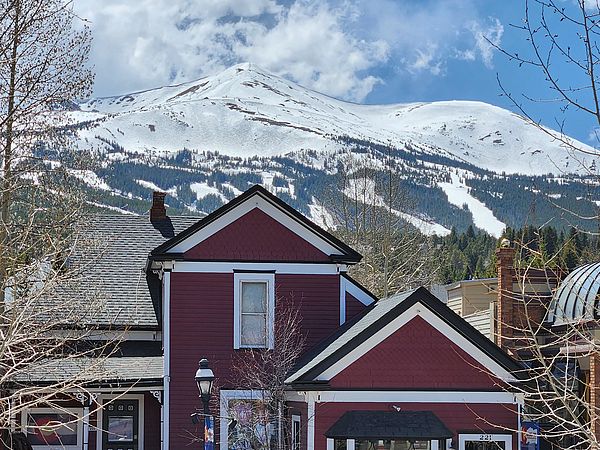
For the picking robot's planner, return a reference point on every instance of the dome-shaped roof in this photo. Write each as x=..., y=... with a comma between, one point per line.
x=577, y=296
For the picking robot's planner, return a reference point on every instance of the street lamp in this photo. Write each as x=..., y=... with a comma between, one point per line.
x=204, y=380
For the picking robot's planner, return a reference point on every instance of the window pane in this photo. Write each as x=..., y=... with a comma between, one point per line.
x=254, y=297
x=52, y=429
x=120, y=428
x=254, y=328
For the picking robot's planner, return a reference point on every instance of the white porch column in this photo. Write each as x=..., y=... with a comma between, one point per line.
x=310, y=427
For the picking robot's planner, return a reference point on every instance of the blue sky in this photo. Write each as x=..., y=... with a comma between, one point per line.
x=369, y=51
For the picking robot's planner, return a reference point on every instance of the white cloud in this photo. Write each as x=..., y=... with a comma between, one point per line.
x=145, y=43
x=333, y=46
x=486, y=39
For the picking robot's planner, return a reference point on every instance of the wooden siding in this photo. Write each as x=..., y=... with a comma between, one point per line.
x=353, y=307
x=458, y=417
x=416, y=356
x=482, y=322
x=256, y=236
x=152, y=422
x=202, y=327
x=318, y=297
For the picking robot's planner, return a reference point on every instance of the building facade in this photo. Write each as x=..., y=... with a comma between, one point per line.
x=396, y=373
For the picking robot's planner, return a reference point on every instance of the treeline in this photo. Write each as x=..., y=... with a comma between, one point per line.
x=471, y=254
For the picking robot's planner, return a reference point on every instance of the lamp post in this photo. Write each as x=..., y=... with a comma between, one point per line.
x=204, y=379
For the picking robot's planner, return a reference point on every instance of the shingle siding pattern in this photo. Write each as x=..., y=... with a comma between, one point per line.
x=429, y=360
x=458, y=417
x=256, y=236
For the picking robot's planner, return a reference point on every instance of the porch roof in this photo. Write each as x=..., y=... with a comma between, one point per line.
x=407, y=425
x=97, y=371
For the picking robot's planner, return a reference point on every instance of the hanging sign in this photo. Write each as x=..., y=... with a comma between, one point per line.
x=209, y=433
x=530, y=436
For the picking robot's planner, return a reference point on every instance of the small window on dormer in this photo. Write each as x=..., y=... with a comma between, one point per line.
x=254, y=310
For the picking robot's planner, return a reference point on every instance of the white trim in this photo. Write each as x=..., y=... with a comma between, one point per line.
x=421, y=310
x=342, y=300
x=225, y=396
x=330, y=444
x=479, y=437
x=282, y=268
x=99, y=416
x=310, y=425
x=358, y=293
x=296, y=419
x=256, y=201
x=77, y=412
x=86, y=426
x=416, y=397
x=238, y=279
x=166, y=279
x=350, y=444
x=434, y=444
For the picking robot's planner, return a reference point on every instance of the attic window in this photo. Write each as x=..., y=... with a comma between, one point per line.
x=254, y=310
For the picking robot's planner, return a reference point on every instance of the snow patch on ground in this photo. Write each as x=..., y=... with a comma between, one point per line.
x=363, y=190
x=235, y=190
x=320, y=215
x=91, y=179
x=426, y=227
x=458, y=194
x=202, y=190
x=150, y=185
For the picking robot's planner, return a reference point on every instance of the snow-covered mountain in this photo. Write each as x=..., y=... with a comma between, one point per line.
x=260, y=123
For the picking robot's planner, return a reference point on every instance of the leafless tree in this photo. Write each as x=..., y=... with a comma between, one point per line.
x=563, y=48
x=371, y=211
x=262, y=422
x=44, y=246
x=559, y=352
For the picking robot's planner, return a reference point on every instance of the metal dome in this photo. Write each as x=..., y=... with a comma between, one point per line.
x=577, y=296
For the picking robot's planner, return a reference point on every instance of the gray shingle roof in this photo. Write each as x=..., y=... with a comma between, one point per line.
x=84, y=369
x=409, y=425
x=112, y=267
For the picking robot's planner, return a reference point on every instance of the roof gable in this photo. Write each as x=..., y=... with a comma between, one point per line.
x=428, y=359
x=385, y=317
x=256, y=236
x=257, y=198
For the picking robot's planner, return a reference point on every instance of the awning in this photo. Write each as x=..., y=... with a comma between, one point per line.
x=393, y=425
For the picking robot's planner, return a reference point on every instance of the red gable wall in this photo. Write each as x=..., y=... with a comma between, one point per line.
x=417, y=356
x=353, y=307
x=256, y=236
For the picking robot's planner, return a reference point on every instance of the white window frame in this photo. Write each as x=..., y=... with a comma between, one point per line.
x=485, y=437
x=296, y=420
x=100, y=418
x=225, y=397
x=238, y=279
x=77, y=412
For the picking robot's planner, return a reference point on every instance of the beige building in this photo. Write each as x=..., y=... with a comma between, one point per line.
x=474, y=301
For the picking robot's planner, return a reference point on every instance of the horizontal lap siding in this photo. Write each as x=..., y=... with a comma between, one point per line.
x=353, y=307
x=318, y=297
x=301, y=409
x=458, y=417
x=256, y=236
x=202, y=327
x=152, y=422
x=416, y=356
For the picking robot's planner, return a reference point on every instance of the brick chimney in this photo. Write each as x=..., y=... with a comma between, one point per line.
x=505, y=308
x=158, y=210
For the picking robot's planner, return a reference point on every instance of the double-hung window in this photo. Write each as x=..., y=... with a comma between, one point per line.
x=254, y=309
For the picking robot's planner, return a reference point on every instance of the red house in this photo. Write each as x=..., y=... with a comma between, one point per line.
x=397, y=373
